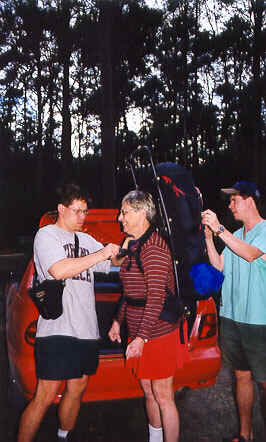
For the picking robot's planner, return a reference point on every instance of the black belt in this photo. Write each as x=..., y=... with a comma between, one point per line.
x=135, y=302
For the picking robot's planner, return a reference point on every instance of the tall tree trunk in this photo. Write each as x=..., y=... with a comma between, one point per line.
x=195, y=153
x=51, y=121
x=39, y=169
x=25, y=126
x=185, y=73
x=107, y=123
x=257, y=10
x=66, y=122
x=67, y=158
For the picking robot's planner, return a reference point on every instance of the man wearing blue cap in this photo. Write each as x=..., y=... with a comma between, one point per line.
x=243, y=307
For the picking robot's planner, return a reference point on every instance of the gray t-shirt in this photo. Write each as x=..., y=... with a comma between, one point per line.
x=52, y=244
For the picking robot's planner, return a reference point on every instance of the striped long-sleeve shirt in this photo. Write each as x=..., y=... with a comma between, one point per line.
x=158, y=275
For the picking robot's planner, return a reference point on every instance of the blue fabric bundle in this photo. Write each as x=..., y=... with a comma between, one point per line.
x=206, y=279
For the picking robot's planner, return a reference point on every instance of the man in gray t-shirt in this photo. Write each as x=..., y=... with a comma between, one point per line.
x=66, y=348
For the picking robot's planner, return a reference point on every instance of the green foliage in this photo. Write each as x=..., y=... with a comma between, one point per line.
x=72, y=71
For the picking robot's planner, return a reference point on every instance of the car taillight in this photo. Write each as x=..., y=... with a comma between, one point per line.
x=208, y=326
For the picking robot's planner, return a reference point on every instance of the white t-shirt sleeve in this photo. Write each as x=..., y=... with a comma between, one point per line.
x=47, y=251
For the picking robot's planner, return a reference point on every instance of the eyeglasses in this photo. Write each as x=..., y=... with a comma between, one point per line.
x=79, y=211
x=125, y=212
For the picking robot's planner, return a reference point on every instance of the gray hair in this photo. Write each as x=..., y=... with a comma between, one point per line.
x=138, y=200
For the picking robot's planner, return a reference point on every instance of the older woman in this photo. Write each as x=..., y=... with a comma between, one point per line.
x=152, y=351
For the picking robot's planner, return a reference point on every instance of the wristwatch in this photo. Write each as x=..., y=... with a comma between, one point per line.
x=220, y=230
x=145, y=340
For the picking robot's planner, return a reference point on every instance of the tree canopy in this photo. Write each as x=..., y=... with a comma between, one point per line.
x=73, y=72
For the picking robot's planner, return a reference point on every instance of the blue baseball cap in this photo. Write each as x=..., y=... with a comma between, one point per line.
x=247, y=188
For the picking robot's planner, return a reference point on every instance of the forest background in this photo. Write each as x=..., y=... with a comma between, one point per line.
x=75, y=74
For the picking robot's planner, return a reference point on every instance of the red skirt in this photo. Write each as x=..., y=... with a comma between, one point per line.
x=161, y=356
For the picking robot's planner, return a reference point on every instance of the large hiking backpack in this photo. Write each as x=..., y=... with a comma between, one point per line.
x=183, y=205
x=179, y=205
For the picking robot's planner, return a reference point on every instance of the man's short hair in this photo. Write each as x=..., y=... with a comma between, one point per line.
x=67, y=193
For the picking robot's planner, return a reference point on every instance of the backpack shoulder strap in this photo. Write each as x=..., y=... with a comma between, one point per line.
x=76, y=251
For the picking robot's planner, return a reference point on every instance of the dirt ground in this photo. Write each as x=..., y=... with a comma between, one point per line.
x=206, y=415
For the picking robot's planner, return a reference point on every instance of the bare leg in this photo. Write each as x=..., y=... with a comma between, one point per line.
x=33, y=414
x=263, y=403
x=70, y=404
x=152, y=406
x=244, y=398
x=164, y=395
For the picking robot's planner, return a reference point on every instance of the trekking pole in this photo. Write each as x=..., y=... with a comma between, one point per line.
x=129, y=162
x=166, y=220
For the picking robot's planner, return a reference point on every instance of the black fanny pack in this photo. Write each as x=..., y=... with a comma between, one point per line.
x=47, y=295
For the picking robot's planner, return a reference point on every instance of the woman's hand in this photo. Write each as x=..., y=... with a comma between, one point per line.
x=135, y=348
x=114, y=333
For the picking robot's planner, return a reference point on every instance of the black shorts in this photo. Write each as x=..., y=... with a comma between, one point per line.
x=244, y=347
x=65, y=357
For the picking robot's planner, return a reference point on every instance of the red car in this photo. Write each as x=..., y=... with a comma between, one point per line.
x=112, y=380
